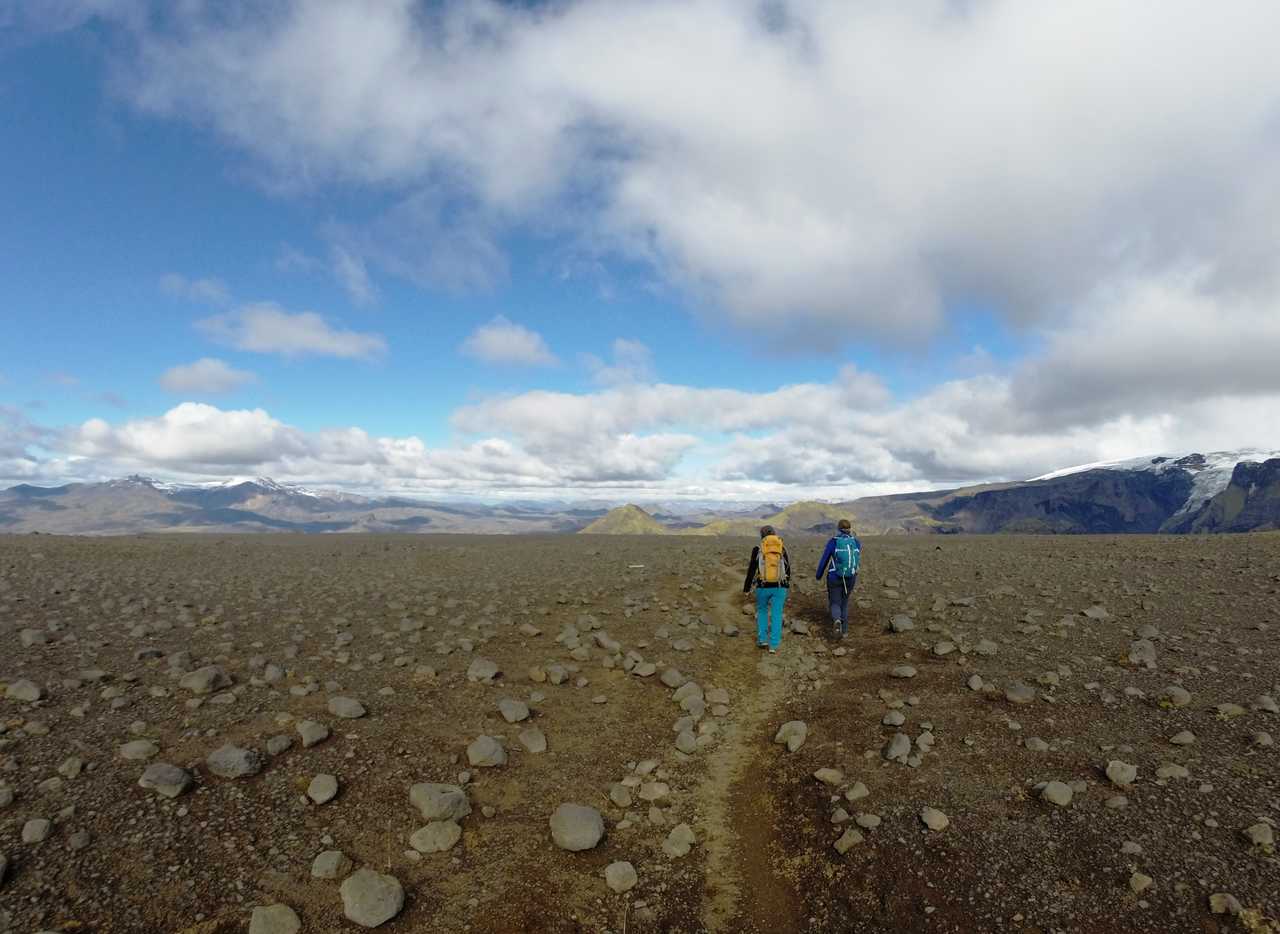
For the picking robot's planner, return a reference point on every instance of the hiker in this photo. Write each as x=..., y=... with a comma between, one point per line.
x=770, y=571
x=840, y=563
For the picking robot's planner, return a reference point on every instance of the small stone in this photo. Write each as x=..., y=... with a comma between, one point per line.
x=331, y=864
x=1183, y=738
x=323, y=789
x=672, y=678
x=848, y=840
x=279, y=744
x=312, y=733
x=232, y=761
x=512, y=710
x=348, y=708
x=829, y=776
x=620, y=877
x=686, y=742
x=436, y=837
x=274, y=919
x=483, y=670
x=533, y=740
x=439, y=802
x=898, y=748
x=893, y=718
x=856, y=792
x=1056, y=793
x=934, y=819
x=370, y=898
x=902, y=623
x=24, y=690
x=868, y=821
x=1020, y=693
x=679, y=841
x=1035, y=744
x=35, y=830
x=1121, y=773
x=1142, y=652
x=165, y=779
x=1139, y=882
x=1260, y=834
x=576, y=827
x=205, y=680
x=1221, y=903
x=1175, y=696
x=903, y=671
x=1172, y=770
x=793, y=734
x=138, y=750
x=486, y=752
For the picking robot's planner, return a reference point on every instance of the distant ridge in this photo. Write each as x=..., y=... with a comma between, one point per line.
x=626, y=520
x=1222, y=491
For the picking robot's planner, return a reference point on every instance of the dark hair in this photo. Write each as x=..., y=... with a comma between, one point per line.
x=844, y=524
x=767, y=530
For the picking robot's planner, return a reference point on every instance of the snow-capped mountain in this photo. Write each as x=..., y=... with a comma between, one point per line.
x=1210, y=473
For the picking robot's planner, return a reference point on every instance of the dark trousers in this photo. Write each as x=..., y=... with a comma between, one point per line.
x=838, y=591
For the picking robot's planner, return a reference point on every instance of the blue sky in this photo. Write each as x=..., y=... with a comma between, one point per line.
x=219, y=260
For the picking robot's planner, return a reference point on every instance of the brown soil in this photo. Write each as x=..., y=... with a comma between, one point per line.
x=764, y=859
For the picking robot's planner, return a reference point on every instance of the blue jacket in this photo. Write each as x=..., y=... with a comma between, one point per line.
x=829, y=552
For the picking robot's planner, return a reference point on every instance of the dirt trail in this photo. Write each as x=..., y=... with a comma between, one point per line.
x=744, y=891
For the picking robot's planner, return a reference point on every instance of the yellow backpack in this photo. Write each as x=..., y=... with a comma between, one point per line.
x=769, y=570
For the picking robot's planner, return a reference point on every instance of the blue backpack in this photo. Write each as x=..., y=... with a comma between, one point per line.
x=844, y=560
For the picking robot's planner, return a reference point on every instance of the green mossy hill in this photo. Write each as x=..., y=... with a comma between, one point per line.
x=625, y=520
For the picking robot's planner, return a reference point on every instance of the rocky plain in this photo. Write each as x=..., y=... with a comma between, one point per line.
x=578, y=733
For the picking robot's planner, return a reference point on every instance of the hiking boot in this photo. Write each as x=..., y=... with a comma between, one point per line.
x=772, y=650
x=762, y=645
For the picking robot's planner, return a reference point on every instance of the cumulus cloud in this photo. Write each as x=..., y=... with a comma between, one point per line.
x=265, y=327
x=353, y=276
x=206, y=375
x=632, y=363
x=196, y=439
x=203, y=291
x=505, y=342
x=849, y=166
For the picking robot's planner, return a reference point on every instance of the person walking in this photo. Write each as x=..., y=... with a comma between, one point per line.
x=770, y=571
x=840, y=563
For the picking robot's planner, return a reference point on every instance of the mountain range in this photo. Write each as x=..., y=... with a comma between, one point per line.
x=1225, y=491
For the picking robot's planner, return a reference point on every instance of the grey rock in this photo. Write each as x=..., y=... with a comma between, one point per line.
x=1057, y=793
x=439, y=802
x=576, y=827
x=679, y=841
x=512, y=710
x=1121, y=773
x=620, y=877
x=1142, y=652
x=486, y=752
x=848, y=840
x=24, y=690
x=903, y=671
x=1175, y=696
x=436, y=837
x=1183, y=738
x=274, y=919
x=138, y=750
x=331, y=864
x=533, y=740
x=348, y=708
x=686, y=742
x=312, y=733
x=902, y=623
x=32, y=637
x=483, y=670
x=231, y=761
x=1259, y=834
x=934, y=819
x=793, y=734
x=165, y=779
x=323, y=789
x=205, y=680
x=898, y=748
x=35, y=830
x=370, y=898
x=1020, y=693
x=279, y=744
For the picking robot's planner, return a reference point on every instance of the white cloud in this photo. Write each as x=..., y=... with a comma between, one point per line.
x=505, y=342
x=203, y=291
x=265, y=327
x=817, y=170
x=632, y=363
x=206, y=375
x=353, y=276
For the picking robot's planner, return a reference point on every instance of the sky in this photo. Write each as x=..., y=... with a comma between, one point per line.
x=625, y=250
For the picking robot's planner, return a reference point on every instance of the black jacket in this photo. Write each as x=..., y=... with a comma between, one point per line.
x=754, y=565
